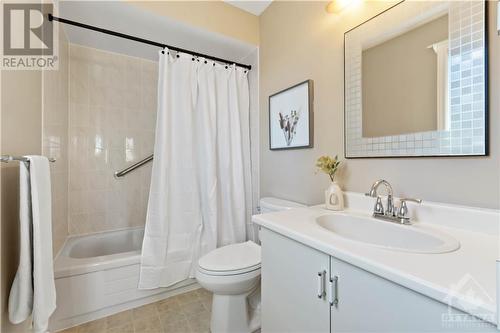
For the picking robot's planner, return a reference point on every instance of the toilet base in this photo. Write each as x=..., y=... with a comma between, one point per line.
x=236, y=313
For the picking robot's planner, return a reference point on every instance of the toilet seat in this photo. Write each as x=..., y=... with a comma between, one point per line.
x=231, y=259
x=227, y=273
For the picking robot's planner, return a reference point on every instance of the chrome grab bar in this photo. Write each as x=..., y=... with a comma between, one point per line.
x=134, y=166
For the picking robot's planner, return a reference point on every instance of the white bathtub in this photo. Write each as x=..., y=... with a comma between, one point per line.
x=95, y=252
x=97, y=275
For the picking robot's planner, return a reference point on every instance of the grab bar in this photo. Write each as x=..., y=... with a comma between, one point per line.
x=134, y=166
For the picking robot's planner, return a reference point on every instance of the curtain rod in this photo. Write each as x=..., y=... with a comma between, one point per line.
x=142, y=40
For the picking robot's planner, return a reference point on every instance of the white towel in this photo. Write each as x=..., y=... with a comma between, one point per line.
x=42, y=277
x=44, y=289
x=21, y=292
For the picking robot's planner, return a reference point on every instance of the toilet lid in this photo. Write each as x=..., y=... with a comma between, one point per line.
x=232, y=257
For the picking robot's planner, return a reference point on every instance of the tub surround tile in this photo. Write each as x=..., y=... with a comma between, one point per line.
x=111, y=125
x=55, y=143
x=78, y=80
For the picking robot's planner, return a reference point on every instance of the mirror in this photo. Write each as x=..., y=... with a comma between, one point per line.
x=415, y=81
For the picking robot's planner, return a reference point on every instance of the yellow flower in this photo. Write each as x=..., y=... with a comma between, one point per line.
x=328, y=165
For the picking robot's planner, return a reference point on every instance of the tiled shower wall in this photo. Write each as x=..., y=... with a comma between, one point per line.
x=112, y=116
x=55, y=139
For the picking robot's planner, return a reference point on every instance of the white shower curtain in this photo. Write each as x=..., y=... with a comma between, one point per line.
x=201, y=167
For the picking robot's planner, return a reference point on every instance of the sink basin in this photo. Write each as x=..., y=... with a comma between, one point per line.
x=388, y=235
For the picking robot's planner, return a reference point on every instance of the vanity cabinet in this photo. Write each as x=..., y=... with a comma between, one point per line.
x=292, y=277
x=305, y=290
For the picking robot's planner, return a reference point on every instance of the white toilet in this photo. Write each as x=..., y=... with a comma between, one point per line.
x=232, y=274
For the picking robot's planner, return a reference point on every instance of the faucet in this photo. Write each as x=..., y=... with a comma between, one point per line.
x=391, y=213
x=379, y=208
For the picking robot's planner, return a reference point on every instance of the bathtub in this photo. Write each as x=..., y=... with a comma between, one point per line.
x=97, y=275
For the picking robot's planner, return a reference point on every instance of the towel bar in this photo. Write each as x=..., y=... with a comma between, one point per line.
x=8, y=158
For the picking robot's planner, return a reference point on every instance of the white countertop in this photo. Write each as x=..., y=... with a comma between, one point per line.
x=465, y=279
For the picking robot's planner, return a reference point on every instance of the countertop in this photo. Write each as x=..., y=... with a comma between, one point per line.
x=464, y=279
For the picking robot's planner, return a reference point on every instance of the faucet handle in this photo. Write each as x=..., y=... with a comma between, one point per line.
x=419, y=201
x=403, y=209
x=371, y=194
x=379, y=208
x=389, y=210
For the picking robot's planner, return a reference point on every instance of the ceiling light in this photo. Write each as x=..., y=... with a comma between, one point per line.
x=337, y=6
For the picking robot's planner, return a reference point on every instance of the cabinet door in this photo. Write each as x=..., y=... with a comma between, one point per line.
x=292, y=275
x=369, y=303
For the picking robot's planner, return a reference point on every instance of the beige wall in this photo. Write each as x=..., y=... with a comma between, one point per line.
x=298, y=41
x=112, y=117
x=215, y=16
x=34, y=107
x=399, y=82
x=21, y=125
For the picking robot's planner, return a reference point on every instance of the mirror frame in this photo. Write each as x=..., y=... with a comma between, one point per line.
x=485, y=92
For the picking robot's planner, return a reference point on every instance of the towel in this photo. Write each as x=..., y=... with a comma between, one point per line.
x=43, y=291
x=21, y=292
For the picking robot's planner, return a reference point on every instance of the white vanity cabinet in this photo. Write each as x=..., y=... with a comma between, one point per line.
x=366, y=302
x=292, y=275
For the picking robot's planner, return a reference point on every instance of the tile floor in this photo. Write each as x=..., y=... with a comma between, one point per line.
x=184, y=313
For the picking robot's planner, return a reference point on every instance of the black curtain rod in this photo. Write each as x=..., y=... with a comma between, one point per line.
x=142, y=40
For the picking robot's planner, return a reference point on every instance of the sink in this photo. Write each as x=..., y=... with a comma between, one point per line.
x=388, y=235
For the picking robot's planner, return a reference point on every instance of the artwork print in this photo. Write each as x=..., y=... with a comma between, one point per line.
x=290, y=117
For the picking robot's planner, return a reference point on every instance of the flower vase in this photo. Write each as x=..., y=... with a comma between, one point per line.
x=334, y=198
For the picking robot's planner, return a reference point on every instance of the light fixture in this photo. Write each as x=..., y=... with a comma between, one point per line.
x=336, y=6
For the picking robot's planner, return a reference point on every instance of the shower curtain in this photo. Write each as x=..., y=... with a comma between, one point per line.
x=201, y=167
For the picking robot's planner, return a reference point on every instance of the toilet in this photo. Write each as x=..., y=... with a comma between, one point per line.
x=232, y=274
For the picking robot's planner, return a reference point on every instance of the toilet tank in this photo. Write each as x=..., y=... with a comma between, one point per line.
x=269, y=204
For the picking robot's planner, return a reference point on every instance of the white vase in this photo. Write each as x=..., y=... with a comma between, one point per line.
x=334, y=198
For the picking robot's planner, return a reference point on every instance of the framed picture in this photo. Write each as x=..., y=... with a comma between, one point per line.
x=291, y=117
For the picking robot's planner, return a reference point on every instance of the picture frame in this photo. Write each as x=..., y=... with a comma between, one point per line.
x=291, y=117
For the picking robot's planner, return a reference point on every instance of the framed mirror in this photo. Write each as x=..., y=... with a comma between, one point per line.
x=416, y=81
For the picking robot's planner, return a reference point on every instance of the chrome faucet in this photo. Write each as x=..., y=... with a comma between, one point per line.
x=379, y=208
x=391, y=213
